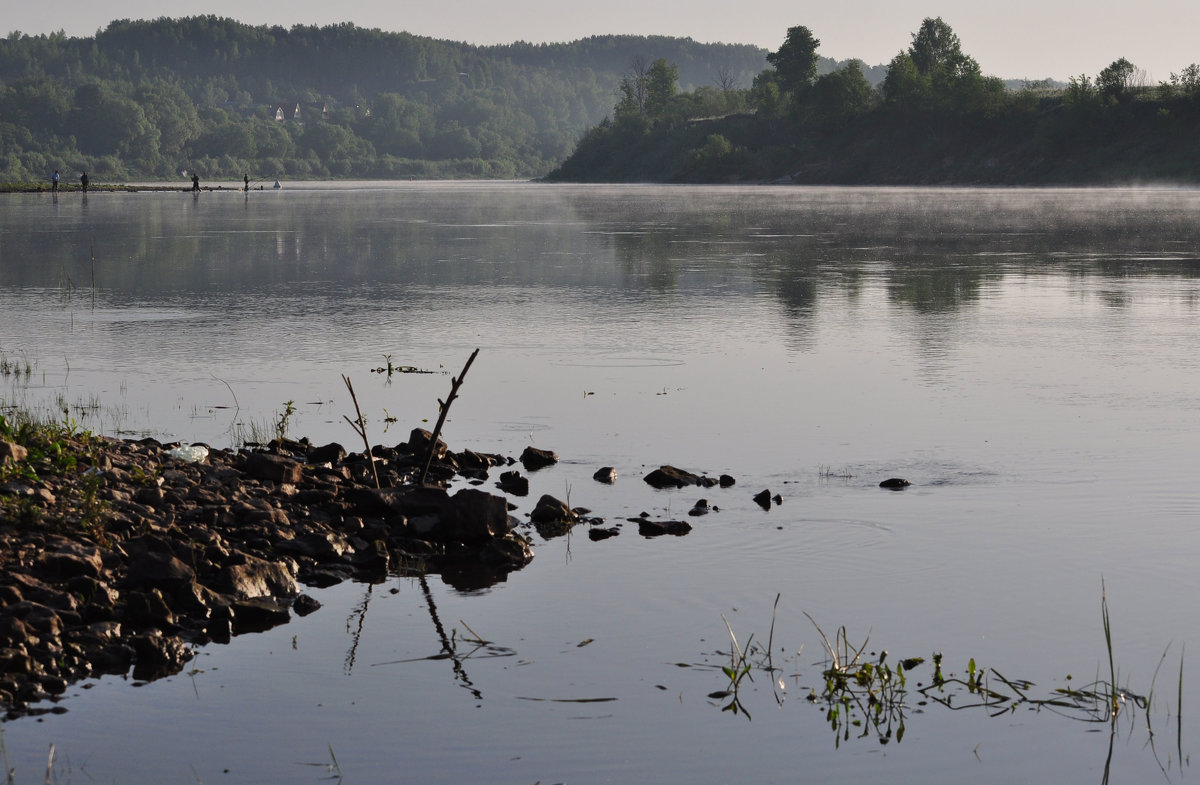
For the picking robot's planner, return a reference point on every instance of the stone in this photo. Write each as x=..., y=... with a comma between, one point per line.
x=658, y=528
x=670, y=477
x=606, y=475
x=258, y=578
x=305, y=605
x=258, y=614
x=274, y=468
x=71, y=560
x=473, y=516
x=550, y=509
x=155, y=656
x=763, y=499
x=330, y=453
x=418, y=444
x=894, y=483
x=158, y=570
x=12, y=453
x=533, y=458
x=514, y=482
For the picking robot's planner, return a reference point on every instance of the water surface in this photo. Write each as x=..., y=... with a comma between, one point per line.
x=1027, y=359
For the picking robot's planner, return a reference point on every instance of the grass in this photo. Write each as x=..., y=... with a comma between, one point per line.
x=870, y=694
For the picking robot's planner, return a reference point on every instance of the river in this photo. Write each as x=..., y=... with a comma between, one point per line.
x=1028, y=359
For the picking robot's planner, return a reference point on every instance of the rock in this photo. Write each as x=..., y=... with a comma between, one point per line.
x=412, y=500
x=158, y=570
x=725, y=481
x=324, y=546
x=305, y=605
x=606, y=475
x=330, y=453
x=533, y=458
x=473, y=516
x=550, y=509
x=510, y=552
x=258, y=578
x=418, y=444
x=258, y=614
x=894, y=483
x=670, y=477
x=275, y=468
x=12, y=453
x=514, y=482
x=596, y=534
x=144, y=609
x=701, y=507
x=156, y=656
x=763, y=499
x=658, y=528
x=70, y=560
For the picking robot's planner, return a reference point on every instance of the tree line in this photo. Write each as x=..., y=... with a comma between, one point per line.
x=933, y=117
x=155, y=98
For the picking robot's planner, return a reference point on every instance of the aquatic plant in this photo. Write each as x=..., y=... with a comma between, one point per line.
x=281, y=425
x=875, y=694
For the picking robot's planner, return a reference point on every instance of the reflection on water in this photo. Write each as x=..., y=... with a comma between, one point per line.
x=1029, y=360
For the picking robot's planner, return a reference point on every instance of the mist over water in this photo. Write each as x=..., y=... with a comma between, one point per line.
x=1026, y=358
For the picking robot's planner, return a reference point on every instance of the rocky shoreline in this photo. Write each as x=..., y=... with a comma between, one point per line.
x=133, y=556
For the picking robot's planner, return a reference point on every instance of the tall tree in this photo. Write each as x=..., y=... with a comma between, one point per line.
x=796, y=60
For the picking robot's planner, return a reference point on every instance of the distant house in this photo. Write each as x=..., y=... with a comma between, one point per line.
x=286, y=111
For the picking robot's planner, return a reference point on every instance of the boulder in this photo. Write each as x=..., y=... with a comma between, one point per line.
x=258, y=578
x=273, y=468
x=550, y=509
x=514, y=482
x=533, y=458
x=670, y=477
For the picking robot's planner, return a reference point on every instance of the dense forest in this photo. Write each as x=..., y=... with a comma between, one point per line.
x=153, y=99
x=935, y=118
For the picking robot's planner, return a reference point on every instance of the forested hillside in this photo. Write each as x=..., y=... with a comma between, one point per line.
x=152, y=99
x=934, y=119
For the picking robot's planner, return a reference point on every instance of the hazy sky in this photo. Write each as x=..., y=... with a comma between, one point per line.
x=1016, y=39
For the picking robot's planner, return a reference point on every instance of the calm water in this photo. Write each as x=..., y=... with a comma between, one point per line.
x=1030, y=360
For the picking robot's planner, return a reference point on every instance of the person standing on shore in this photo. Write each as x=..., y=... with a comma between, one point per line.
x=54, y=181
x=83, y=180
x=195, y=182
x=246, y=180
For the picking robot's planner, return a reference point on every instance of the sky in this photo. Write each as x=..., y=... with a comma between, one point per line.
x=1019, y=39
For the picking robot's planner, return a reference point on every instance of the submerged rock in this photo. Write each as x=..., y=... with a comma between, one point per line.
x=763, y=499
x=606, y=475
x=894, y=483
x=648, y=528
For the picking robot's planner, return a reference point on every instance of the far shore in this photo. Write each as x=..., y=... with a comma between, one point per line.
x=34, y=188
